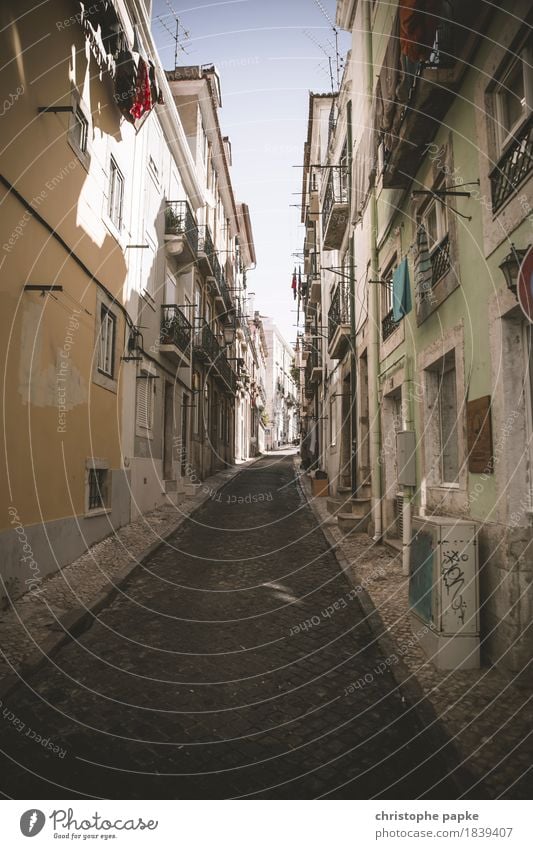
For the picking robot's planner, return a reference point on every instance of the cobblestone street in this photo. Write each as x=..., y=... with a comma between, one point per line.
x=225, y=667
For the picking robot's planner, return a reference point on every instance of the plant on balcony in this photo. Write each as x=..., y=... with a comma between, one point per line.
x=173, y=222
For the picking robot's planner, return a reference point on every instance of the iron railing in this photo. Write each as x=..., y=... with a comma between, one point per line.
x=440, y=260
x=175, y=327
x=206, y=345
x=388, y=325
x=208, y=348
x=205, y=242
x=515, y=164
x=179, y=220
x=339, y=311
x=336, y=190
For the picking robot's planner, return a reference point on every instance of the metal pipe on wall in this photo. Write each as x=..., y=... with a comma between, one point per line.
x=373, y=306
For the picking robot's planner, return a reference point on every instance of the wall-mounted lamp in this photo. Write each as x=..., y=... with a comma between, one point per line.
x=229, y=334
x=510, y=266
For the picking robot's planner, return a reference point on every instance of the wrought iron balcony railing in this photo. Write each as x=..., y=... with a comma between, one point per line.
x=339, y=311
x=205, y=242
x=336, y=190
x=175, y=328
x=440, y=260
x=179, y=221
x=515, y=164
x=388, y=325
x=206, y=345
x=208, y=349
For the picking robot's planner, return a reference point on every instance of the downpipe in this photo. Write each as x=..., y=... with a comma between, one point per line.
x=373, y=311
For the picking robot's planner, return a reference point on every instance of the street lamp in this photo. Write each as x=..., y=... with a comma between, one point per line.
x=510, y=266
x=229, y=334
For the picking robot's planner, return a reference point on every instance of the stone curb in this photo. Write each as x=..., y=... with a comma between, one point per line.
x=406, y=681
x=78, y=620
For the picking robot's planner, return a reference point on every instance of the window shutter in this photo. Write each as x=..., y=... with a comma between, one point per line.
x=144, y=403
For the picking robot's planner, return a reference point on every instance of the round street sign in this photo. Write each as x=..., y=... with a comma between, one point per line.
x=525, y=285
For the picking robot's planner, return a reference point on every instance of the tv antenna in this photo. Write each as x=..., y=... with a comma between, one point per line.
x=179, y=35
x=338, y=58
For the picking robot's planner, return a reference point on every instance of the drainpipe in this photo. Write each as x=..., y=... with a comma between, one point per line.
x=373, y=308
x=353, y=333
x=407, y=490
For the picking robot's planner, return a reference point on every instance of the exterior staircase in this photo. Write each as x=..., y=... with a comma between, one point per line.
x=353, y=513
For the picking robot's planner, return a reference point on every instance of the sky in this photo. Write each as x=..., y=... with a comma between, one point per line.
x=269, y=54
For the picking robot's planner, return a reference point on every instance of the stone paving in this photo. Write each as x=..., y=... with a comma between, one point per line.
x=226, y=666
x=32, y=618
x=488, y=715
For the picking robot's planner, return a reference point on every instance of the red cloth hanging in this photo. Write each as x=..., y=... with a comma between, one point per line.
x=143, y=95
x=293, y=285
x=418, y=25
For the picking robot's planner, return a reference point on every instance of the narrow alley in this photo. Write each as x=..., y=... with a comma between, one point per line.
x=225, y=668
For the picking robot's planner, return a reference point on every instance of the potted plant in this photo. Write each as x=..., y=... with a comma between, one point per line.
x=173, y=222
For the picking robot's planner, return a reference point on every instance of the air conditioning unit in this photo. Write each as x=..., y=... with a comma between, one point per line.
x=444, y=590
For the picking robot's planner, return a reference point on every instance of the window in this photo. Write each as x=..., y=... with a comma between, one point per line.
x=514, y=96
x=145, y=395
x=388, y=325
x=512, y=108
x=153, y=169
x=116, y=194
x=442, y=393
x=97, y=485
x=106, y=348
x=435, y=220
x=80, y=130
x=196, y=402
x=333, y=420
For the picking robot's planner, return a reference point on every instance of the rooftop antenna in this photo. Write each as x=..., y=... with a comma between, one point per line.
x=338, y=59
x=323, y=49
x=178, y=33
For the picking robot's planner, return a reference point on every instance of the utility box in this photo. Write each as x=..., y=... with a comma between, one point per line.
x=405, y=453
x=444, y=590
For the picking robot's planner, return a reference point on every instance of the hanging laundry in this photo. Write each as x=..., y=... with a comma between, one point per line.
x=157, y=94
x=143, y=98
x=401, y=291
x=294, y=283
x=418, y=27
x=125, y=84
x=423, y=270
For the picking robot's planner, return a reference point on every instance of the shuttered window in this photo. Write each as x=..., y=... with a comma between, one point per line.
x=145, y=394
x=106, y=348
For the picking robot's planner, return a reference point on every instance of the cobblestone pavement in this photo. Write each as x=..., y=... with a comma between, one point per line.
x=229, y=665
x=486, y=713
x=31, y=619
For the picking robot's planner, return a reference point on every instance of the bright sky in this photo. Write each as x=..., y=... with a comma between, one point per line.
x=268, y=57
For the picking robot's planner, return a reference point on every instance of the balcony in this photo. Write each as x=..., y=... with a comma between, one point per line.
x=208, y=350
x=515, y=164
x=309, y=386
x=339, y=323
x=315, y=361
x=315, y=289
x=175, y=334
x=440, y=261
x=181, y=232
x=388, y=326
x=335, y=208
x=206, y=249
x=421, y=99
